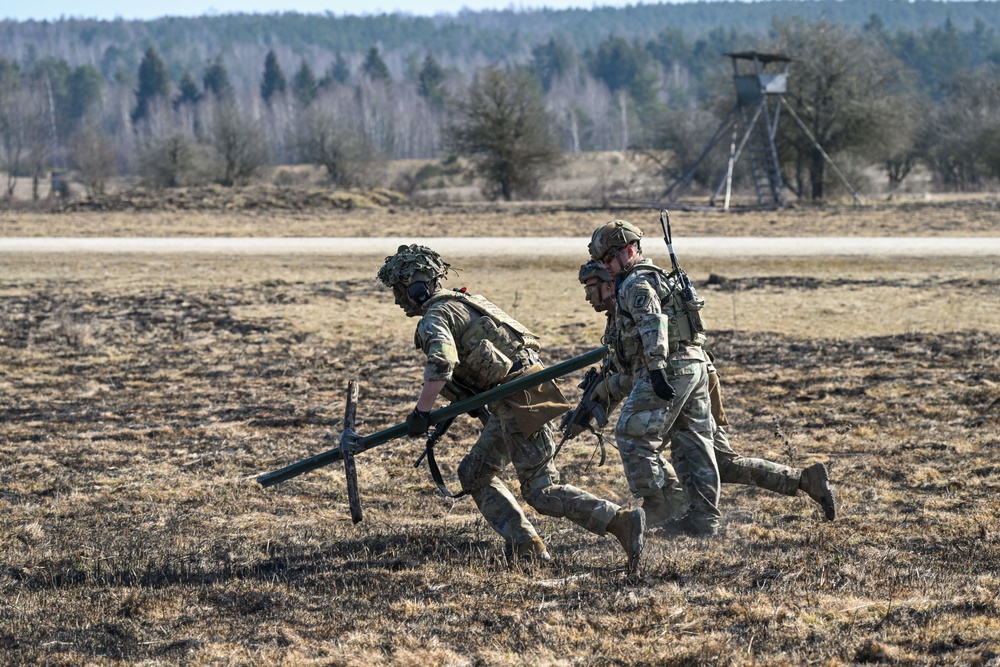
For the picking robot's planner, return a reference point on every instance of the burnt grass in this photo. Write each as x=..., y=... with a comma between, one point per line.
x=132, y=530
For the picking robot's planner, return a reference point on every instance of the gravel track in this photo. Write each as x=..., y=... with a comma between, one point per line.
x=506, y=246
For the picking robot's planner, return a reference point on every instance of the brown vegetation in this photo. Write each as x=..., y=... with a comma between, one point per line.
x=304, y=212
x=143, y=395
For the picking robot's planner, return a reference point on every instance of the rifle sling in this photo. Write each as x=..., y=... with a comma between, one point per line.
x=600, y=444
x=439, y=430
x=436, y=475
x=603, y=449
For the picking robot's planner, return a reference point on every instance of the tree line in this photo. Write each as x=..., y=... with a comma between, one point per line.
x=870, y=95
x=116, y=47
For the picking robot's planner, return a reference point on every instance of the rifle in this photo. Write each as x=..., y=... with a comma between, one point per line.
x=687, y=288
x=587, y=410
x=351, y=443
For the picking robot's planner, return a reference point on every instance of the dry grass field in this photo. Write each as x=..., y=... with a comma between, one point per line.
x=274, y=211
x=143, y=394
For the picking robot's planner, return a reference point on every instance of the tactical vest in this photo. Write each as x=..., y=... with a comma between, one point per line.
x=685, y=325
x=489, y=348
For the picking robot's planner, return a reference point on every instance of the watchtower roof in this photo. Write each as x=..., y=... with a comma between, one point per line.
x=761, y=57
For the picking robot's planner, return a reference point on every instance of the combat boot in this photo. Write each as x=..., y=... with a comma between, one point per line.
x=816, y=483
x=527, y=553
x=628, y=526
x=665, y=505
x=688, y=525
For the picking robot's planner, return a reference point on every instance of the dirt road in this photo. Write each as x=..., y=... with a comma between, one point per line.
x=506, y=246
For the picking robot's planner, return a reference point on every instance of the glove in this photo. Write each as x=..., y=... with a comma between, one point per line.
x=600, y=395
x=417, y=423
x=661, y=387
x=582, y=424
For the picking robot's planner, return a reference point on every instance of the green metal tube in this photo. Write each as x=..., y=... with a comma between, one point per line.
x=399, y=430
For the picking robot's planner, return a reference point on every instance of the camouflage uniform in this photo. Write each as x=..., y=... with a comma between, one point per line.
x=616, y=387
x=443, y=333
x=733, y=468
x=736, y=469
x=642, y=334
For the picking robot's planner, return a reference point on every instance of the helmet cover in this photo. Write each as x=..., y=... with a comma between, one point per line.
x=594, y=269
x=412, y=263
x=613, y=235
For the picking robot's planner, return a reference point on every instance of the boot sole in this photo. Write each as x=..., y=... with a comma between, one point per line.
x=638, y=538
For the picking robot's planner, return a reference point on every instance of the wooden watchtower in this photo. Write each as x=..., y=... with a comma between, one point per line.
x=761, y=82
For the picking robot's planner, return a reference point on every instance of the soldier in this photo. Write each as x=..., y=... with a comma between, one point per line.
x=599, y=289
x=659, y=338
x=472, y=346
x=733, y=468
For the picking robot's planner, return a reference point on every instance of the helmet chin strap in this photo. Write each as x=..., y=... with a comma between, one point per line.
x=631, y=256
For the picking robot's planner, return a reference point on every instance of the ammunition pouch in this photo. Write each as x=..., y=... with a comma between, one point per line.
x=489, y=364
x=685, y=324
x=502, y=338
x=683, y=307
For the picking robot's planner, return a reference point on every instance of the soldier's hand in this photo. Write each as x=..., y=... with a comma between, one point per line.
x=600, y=395
x=576, y=429
x=661, y=387
x=418, y=422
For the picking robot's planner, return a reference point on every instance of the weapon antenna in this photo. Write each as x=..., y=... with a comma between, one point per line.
x=668, y=236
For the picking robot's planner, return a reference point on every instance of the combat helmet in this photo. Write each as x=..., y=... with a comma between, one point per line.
x=412, y=263
x=592, y=276
x=614, y=235
x=594, y=269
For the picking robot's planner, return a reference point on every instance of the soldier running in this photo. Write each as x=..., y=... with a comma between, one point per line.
x=733, y=469
x=472, y=346
x=660, y=341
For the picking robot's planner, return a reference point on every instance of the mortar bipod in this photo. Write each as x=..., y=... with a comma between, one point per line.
x=349, y=439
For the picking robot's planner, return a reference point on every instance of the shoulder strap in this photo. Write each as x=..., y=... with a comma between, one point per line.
x=484, y=307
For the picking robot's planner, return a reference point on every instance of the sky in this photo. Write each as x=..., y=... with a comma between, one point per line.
x=132, y=9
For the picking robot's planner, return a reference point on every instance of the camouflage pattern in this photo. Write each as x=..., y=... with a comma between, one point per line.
x=643, y=328
x=443, y=335
x=412, y=262
x=614, y=235
x=618, y=385
x=502, y=443
x=618, y=380
x=647, y=422
x=451, y=332
x=736, y=469
x=594, y=269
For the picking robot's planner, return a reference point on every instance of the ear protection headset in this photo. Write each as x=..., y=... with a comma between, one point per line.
x=419, y=292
